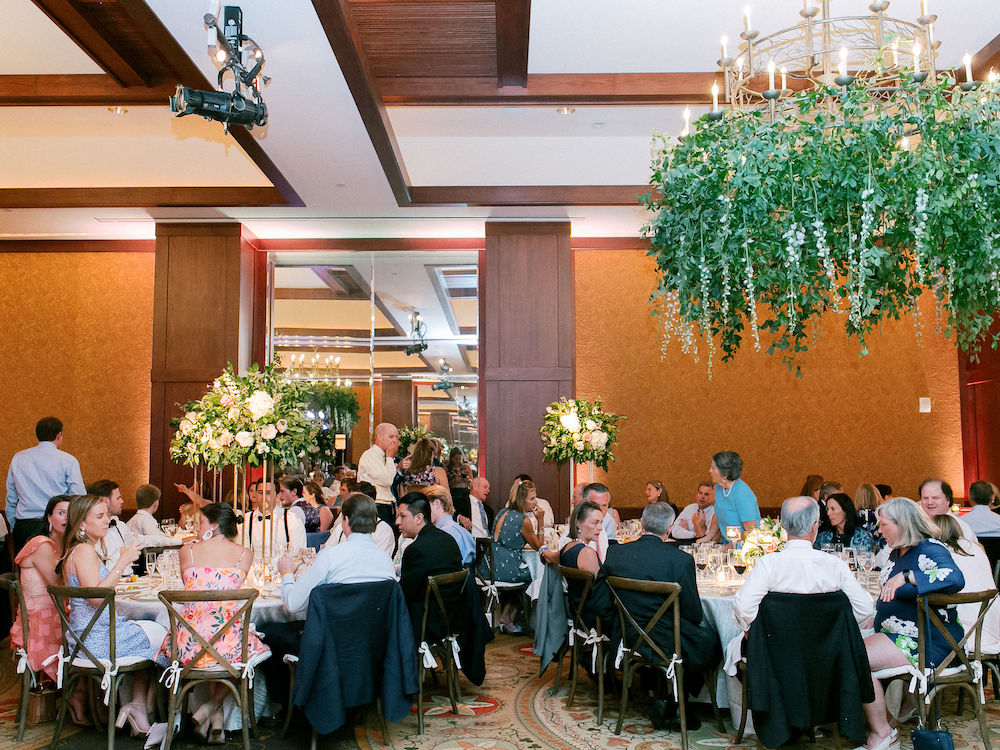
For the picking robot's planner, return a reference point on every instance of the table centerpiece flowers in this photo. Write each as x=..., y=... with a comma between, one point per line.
x=768, y=537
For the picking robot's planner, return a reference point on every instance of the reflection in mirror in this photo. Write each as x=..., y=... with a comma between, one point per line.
x=409, y=353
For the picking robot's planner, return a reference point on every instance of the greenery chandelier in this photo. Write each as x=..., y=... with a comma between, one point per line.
x=852, y=190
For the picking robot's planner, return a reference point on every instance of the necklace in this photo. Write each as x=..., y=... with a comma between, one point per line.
x=725, y=492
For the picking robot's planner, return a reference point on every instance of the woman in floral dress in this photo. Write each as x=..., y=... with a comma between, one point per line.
x=919, y=565
x=213, y=562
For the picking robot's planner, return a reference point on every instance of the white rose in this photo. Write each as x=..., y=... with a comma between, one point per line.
x=244, y=438
x=263, y=448
x=599, y=440
x=233, y=414
x=191, y=416
x=578, y=446
x=269, y=432
x=226, y=400
x=591, y=424
x=282, y=425
x=259, y=404
x=588, y=437
x=570, y=421
x=186, y=426
x=226, y=438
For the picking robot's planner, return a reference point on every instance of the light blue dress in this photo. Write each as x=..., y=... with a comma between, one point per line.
x=509, y=567
x=130, y=639
x=737, y=507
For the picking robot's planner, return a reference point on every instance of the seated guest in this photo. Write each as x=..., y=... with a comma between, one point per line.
x=432, y=552
x=975, y=566
x=799, y=568
x=866, y=501
x=37, y=563
x=811, y=487
x=290, y=495
x=981, y=519
x=82, y=564
x=119, y=534
x=189, y=512
x=697, y=520
x=441, y=516
x=550, y=517
x=421, y=470
x=584, y=528
x=286, y=529
x=599, y=493
x=885, y=491
x=312, y=495
x=479, y=520
x=655, y=493
x=735, y=503
x=919, y=564
x=842, y=525
x=650, y=558
x=936, y=499
x=383, y=536
x=600, y=546
x=143, y=524
x=213, y=561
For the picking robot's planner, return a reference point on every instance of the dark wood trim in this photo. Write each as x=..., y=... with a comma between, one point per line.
x=553, y=88
x=527, y=195
x=986, y=58
x=90, y=39
x=113, y=197
x=513, y=18
x=608, y=243
x=967, y=410
x=345, y=332
x=529, y=227
x=77, y=246
x=198, y=229
x=335, y=17
x=290, y=293
x=77, y=90
x=368, y=244
x=342, y=349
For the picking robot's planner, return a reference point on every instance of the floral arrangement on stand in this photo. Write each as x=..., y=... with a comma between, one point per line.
x=410, y=434
x=768, y=537
x=244, y=420
x=579, y=430
x=860, y=200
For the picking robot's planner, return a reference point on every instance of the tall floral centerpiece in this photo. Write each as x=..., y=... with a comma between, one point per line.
x=581, y=431
x=768, y=537
x=251, y=420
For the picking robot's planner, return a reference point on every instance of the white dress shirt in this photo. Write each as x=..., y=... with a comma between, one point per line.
x=355, y=560
x=800, y=569
x=967, y=531
x=383, y=537
x=978, y=574
x=295, y=541
x=610, y=527
x=380, y=470
x=119, y=535
x=479, y=519
x=146, y=529
x=983, y=521
x=687, y=513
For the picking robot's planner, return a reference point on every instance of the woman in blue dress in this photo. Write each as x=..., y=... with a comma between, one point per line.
x=83, y=563
x=919, y=564
x=842, y=525
x=735, y=504
x=514, y=528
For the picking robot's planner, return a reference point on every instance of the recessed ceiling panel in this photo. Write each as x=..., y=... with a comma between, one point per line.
x=30, y=44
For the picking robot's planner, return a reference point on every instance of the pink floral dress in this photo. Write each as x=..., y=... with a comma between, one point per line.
x=44, y=633
x=208, y=617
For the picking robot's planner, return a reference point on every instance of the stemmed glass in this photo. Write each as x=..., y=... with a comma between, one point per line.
x=701, y=557
x=737, y=564
x=169, y=526
x=714, y=562
x=866, y=562
x=150, y=564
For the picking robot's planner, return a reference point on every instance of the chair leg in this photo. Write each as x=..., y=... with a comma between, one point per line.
x=713, y=680
x=312, y=742
x=61, y=716
x=420, y=697
x=626, y=679
x=383, y=722
x=291, y=707
x=451, y=677
x=246, y=710
x=112, y=713
x=836, y=735
x=574, y=668
x=681, y=707
x=961, y=703
x=560, y=655
x=23, y=707
x=172, y=706
x=743, y=710
x=600, y=683
x=985, y=730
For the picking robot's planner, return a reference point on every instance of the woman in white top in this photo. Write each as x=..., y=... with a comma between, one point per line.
x=975, y=566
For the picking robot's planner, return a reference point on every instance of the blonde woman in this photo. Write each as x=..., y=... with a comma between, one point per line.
x=81, y=564
x=866, y=500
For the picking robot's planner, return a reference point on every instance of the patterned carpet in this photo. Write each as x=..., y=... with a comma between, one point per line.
x=513, y=710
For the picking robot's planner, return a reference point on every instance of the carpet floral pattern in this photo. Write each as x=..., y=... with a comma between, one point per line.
x=514, y=709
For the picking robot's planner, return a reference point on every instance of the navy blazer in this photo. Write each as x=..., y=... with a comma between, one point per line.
x=357, y=646
x=431, y=553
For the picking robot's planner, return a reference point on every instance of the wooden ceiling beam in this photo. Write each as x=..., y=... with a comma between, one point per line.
x=986, y=58
x=512, y=23
x=527, y=195
x=92, y=41
x=553, y=88
x=139, y=197
x=92, y=89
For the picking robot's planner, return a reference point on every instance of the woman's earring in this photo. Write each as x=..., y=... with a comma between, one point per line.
x=208, y=535
x=82, y=534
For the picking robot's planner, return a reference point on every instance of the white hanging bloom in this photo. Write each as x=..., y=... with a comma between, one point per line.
x=570, y=421
x=269, y=432
x=259, y=404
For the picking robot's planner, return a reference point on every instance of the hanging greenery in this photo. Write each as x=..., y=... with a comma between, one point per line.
x=763, y=226
x=336, y=406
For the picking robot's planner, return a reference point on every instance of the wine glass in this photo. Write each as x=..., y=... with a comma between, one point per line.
x=738, y=565
x=714, y=562
x=866, y=562
x=150, y=564
x=169, y=526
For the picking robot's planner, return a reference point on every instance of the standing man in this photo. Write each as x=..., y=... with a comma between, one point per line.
x=697, y=520
x=35, y=475
x=480, y=519
x=378, y=467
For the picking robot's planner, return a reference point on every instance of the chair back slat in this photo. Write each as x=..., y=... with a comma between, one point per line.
x=73, y=642
x=586, y=578
x=15, y=593
x=671, y=599
x=174, y=600
x=434, y=586
x=484, y=552
x=927, y=614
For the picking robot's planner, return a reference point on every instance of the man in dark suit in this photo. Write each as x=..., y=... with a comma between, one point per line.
x=650, y=558
x=473, y=511
x=432, y=552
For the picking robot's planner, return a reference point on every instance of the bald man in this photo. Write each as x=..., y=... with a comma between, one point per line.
x=378, y=467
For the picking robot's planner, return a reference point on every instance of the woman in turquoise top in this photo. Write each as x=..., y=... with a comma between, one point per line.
x=842, y=525
x=735, y=503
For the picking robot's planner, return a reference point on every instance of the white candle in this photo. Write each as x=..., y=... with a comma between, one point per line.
x=842, y=68
x=715, y=97
x=725, y=50
x=784, y=78
x=739, y=65
x=916, y=57
x=992, y=77
x=967, y=60
x=770, y=74
x=746, y=18
x=687, y=121
x=904, y=143
x=895, y=52
x=923, y=7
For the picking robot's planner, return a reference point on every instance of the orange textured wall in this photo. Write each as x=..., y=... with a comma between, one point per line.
x=849, y=419
x=77, y=332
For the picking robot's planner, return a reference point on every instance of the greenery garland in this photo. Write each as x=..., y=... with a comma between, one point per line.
x=337, y=405
x=764, y=226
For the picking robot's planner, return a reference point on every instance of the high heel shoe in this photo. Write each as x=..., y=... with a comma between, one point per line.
x=889, y=742
x=78, y=714
x=216, y=734
x=135, y=714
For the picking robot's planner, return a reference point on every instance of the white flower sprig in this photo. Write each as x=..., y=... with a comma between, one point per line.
x=795, y=238
x=751, y=295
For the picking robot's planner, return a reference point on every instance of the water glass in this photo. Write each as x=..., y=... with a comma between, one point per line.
x=151, y=564
x=169, y=525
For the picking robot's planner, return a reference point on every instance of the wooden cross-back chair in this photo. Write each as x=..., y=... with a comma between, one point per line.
x=581, y=635
x=238, y=677
x=444, y=647
x=15, y=593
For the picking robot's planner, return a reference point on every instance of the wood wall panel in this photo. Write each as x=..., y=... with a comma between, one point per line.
x=527, y=351
x=979, y=388
x=398, y=402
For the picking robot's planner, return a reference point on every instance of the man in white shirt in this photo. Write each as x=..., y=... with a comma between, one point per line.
x=289, y=493
x=599, y=493
x=285, y=529
x=800, y=569
x=377, y=466
x=383, y=536
x=982, y=520
x=936, y=498
x=697, y=520
x=119, y=534
x=143, y=524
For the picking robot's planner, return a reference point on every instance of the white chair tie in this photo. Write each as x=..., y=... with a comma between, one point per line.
x=171, y=677
x=429, y=661
x=977, y=678
x=671, y=672
x=63, y=660
x=455, y=650
x=621, y=652
x=22, y=665
x=590, y=639
x=248, y=670
x=492, y=595
x=107, y=678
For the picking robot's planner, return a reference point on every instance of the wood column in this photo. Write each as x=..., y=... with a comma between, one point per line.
x=979, y=396
x=527, y=352
x=399, y=402
x=205, y=313
x=440, y=425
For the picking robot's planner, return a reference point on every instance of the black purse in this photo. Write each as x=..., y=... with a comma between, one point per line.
x=931, y=739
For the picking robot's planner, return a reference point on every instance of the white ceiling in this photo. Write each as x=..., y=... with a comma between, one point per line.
x=317, y=139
